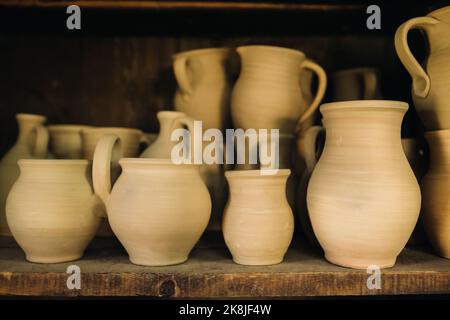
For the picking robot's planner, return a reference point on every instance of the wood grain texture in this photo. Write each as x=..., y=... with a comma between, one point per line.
x=210, y=273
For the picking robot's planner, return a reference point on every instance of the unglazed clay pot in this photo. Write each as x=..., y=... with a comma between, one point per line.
x=204, y=87
x=268, y=93
x=363, y=198
x=66, y=141
x=158, y=210
x=169, y=121
x=52, y=210
x=356, y=84
x=32, y=143
x=431, y=82
x=258, y=223
x=436, y=192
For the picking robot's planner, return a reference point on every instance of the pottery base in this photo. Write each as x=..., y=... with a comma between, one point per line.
x=141, y=261
x=258, y=261
x=350, y=262
x=38, y=259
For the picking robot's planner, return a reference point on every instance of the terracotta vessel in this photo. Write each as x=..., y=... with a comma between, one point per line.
x=158, y=210
x=32, y=143
x=258, y=223
x=130, y=138
x=363, y=198
x=169, y=121
x=204, y=86
x=52, y=210
x=431, y=81
x=435, y=192
x=66, y=141
x=356, y=84
x=268, y=93
x=415, y=153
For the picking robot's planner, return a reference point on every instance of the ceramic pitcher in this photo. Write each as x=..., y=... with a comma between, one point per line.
x=66, y=141
x=204, y=86
x=158, y=210
x=431, y=82
x=268, y=93
x=258, y=223
x=363, y=198
x=31, y=143
x=356, y=84
x=436, y=192
x=52, y=210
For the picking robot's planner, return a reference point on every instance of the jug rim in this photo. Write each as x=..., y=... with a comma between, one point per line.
x=31, y=116
x=257, y=173
x=54, y=162
x=375, y=104
x=439, y=12
x=119, y=129
x=201, y=51
x=155, y=161
x=274, y=48
x=68, y=127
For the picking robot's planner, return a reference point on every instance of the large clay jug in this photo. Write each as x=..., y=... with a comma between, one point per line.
x=204, y=87
x=157, y=209
x=268, y=93
x=431, y=82
x=52, y=210
x=32, y=143
x=363, y=198
x=356, y=84
x=436, y=192
x=258, y=223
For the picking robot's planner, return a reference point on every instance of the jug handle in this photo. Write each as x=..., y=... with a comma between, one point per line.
x=41, y=143
x=180, y=70
x=370, y=84
x=322, y=76
x=421, y=81
x=108, y=150
x=308, y=150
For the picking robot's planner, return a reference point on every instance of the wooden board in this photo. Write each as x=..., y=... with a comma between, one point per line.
x=210, y=273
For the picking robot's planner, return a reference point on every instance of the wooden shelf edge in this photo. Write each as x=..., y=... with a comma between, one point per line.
x=236, y=285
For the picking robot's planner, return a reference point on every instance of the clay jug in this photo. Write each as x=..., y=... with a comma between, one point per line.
x=204, y=87
x=435, y=192
x=356, y=84
x=431, y=82
x=268, y=93
x=158, y=210
x=363, y=198
x=66, y=141
x=52, y=210
x=31, y=143
x=258, y=223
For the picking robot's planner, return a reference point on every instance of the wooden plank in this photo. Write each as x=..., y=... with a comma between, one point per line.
x=210, y=273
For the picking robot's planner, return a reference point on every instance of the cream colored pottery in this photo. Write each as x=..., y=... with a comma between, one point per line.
x=204, y=86
x=436, y=192
x=52, y=210
x=169, y=121
x=363, y=198
x=431, y=82
x=158, y=210
x=31, y=143
x=258, y=223
x=66, y=141
x=356, y=84
x=268, y=93
x=130, y=139
x=415, y=153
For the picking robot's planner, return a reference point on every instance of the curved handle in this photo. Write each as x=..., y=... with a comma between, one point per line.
x=180, y=70
x=421, y=81
x=40, y=148
x=370, y=85
x=108, y=150
x=322, y=76
x=308, y=151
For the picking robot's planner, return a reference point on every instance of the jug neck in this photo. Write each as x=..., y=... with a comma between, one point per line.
x=208, y=63
x=26, y=123
x=167, y=122
x=439, y=144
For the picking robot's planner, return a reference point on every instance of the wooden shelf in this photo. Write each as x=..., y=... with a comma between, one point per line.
x=210, y=273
